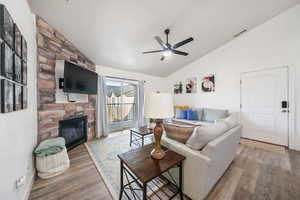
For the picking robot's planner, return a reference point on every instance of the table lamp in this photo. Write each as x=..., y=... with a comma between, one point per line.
x=158, y=106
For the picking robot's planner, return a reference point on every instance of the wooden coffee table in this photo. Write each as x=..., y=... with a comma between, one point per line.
x=139, y=136
x=142, y=169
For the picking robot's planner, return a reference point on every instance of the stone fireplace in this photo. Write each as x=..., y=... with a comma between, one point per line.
x=53, y=46
x=74, y=130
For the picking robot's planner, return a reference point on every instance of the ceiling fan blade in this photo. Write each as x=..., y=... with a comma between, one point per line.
x=180, y=52
x=162, y=58
x=162, y=44
x=157, y=51
x=179, y=44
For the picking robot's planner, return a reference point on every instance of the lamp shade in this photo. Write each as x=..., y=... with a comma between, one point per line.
x=159, y=106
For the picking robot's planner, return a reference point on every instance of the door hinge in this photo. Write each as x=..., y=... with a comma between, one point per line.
x=241, y=82
x=240, y=105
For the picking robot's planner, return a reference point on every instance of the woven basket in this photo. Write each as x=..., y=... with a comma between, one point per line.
x=53, y=165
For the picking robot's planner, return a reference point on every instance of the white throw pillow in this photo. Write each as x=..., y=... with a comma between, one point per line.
x=204, y=134
x=230, y=121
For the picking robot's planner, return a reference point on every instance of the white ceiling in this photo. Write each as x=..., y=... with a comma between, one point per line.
x=113, y=33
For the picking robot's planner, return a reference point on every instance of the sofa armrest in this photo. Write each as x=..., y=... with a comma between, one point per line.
x=221, y=151
x=195, y=168
x=183, y=149
x=227, y=141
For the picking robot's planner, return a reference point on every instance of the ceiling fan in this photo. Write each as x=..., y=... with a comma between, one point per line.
x=167, y=48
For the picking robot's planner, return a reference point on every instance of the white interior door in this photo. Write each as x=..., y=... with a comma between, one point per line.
x=264, y=114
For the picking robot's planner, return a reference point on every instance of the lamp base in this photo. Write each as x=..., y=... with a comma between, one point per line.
x=158, y=154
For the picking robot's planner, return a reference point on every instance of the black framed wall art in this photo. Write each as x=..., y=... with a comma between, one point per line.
x=6, y=26
x=24, y=49
x=24, y=97
x=18, y=99
x=17, y=69
x=7, y=61
x=24, y=73
x=17, y=41
x=7, y=90
x=13, y=65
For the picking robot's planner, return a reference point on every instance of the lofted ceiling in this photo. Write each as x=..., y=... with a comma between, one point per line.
x=114, y=33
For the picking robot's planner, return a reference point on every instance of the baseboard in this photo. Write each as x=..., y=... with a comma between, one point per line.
x=29, y=185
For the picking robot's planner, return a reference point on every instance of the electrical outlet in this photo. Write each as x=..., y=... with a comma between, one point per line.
x=20, y=182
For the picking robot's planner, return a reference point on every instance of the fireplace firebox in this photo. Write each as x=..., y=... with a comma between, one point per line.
x=74, y=130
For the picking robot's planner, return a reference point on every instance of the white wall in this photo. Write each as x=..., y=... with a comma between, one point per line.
x=153, y=83
x=18, y=130
x=275, y=43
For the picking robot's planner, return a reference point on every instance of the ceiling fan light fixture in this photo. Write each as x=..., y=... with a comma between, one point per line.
x=167, y=53
x=167, y=48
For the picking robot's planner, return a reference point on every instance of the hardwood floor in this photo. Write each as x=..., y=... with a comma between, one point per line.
x=258, y=174
x=81, y=181
x=255, y=174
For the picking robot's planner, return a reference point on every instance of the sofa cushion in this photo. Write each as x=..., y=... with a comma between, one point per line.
x=211, y=115
x=230, y=121
x=191, y=122
x=202, y=135
x=200, y=113
x=183, y=114
x=180, y=133
x=192, y=114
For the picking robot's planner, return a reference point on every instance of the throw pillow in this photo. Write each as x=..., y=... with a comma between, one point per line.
x=192, y=115
x=202, y=135
x=180, y=133
x=183, y=114
x=230, y=121
x=211, y=115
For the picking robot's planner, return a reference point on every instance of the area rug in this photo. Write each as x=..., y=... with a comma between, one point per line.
x=104, y=153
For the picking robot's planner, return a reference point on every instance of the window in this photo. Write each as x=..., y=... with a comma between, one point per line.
x=121, y=104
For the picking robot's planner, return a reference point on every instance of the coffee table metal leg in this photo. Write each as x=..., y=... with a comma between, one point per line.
x=121, y=181
x=130, y=138
x=180, y=181
x=145, y=191
x=142, y=141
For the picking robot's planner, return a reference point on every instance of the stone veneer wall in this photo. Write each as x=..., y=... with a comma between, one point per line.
x=54, y=46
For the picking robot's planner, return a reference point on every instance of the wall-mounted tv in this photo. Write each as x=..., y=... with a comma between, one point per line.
x=79, y=80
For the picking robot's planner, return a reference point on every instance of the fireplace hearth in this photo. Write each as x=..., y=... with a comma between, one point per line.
x=74, y=130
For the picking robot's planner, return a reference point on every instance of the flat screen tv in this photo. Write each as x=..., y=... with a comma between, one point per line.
x=79, y=80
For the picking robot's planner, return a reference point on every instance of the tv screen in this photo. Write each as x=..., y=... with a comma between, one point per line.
x=79, y=80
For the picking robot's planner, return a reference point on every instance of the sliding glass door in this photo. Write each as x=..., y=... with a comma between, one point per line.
x=121, y=104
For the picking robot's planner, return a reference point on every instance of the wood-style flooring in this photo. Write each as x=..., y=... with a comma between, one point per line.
x=255, y=174
x=81, y=181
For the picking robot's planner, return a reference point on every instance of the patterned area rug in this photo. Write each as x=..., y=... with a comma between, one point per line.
x=104, y=153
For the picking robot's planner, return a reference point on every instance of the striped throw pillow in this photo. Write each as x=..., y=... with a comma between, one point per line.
x=180, y=133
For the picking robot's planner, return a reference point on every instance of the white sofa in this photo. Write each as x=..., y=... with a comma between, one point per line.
x=202, y=169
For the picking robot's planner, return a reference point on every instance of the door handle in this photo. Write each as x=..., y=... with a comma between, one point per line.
x=284, y=104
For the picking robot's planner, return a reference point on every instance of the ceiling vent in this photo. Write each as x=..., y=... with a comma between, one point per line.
x=240, y=33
